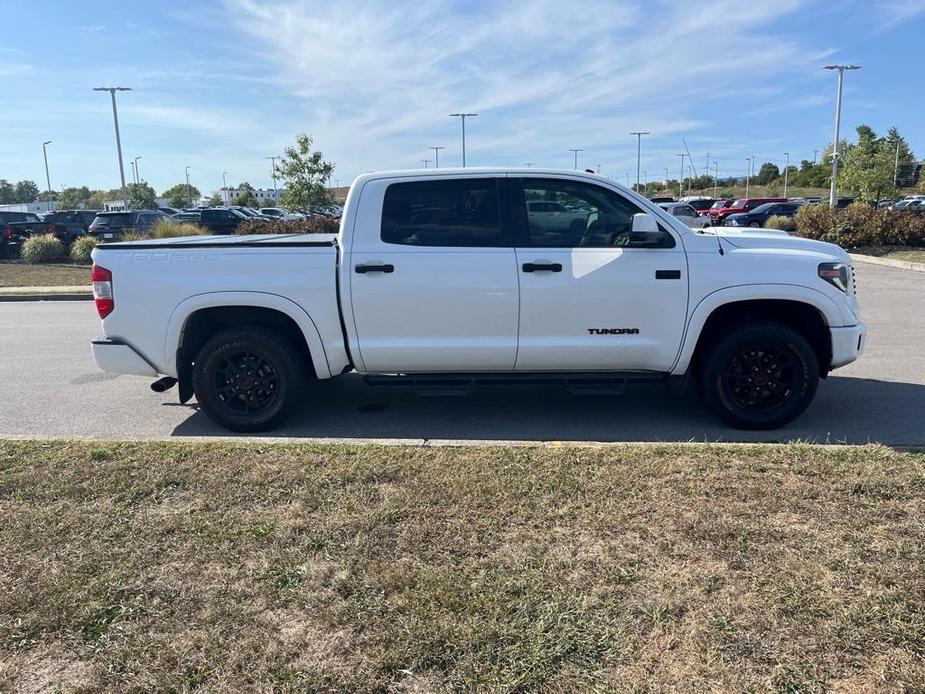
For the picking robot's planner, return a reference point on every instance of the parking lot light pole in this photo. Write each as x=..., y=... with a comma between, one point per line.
x=715, y=177
x=47, y=176
x=645, y=182
x=575, y=152
x=833, y=190
x=224, y=188
x=436, y=155
x=786, y=172
x=273, y=164
x=681, y=182
x=115, y=117
x=462, y=117
x=134, y=176
x=137, y=170
x=748, y=170
x=189, y=194
x=426, y=163
x=639, y=134
x=667, y=176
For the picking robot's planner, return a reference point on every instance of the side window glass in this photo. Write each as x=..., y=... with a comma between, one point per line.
x=460, y=212
x=580, y=214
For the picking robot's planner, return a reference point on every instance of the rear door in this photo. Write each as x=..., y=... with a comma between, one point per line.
x=432, y=277
x=591, y=300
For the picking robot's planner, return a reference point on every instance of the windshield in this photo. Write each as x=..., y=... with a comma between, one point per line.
x=740, y=204
x=110, y=220
x=718, y=205
x=763, y=208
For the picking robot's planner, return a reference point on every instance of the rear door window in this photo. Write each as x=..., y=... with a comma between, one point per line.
x=460, y=212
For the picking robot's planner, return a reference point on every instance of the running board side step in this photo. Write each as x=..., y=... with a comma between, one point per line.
x=459, y=384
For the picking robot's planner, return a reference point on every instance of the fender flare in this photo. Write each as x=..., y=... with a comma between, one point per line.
x=185, y=309
x=749, y=292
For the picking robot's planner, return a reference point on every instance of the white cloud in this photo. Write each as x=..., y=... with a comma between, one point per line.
x=895, y=12
x=378, y=79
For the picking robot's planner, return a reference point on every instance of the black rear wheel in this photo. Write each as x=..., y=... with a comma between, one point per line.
x=760, y=375
x=248, y=379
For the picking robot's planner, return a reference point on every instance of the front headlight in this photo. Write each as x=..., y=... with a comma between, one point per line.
x=836, y=274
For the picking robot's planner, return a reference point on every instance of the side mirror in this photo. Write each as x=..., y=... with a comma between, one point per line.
x=645, y=230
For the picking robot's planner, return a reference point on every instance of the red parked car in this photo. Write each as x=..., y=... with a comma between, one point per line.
x=718, y=216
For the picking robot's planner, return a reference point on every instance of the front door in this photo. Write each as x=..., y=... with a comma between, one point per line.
x=591, y=300
x=434, y=287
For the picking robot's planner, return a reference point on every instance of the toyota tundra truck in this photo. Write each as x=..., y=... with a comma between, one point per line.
x=452, y=278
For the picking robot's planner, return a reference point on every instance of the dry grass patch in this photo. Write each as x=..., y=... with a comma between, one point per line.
x=293, y=568
x=18, y=273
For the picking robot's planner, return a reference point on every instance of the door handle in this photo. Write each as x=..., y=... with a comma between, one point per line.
x=378, y=267
x=541, y=267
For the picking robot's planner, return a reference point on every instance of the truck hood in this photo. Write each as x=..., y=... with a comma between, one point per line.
x=772, y=240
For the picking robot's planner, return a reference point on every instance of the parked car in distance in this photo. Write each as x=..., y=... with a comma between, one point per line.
x=10, y=239
x=657, y=199
x=760, y=215
x=64, y=225
x=741, y=205
x=221, y=220
x=186, y=217
x=719, y=204
x=109, y=226
x=440, y=281
x=250, y=212
x=169, y=211
x=686, y=213
x=280, y=213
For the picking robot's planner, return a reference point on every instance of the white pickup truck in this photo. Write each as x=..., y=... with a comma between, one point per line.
x=449, y=278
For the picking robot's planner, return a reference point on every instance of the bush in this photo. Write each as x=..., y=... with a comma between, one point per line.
x=42, y=249
x=310, y=225
x=81, y=249
x=780, y=222
x=133, y=236
x=858, y=225
x=164, y=229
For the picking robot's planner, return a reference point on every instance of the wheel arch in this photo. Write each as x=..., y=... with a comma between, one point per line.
x=809, y=315
x=195, y=319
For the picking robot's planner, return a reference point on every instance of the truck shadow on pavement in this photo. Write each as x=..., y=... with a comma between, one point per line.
x=846, y=410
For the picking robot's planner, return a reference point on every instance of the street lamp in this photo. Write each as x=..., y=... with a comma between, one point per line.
x=639, y=134
x=715, y=177
x=627, y=179
x=273, y=164
x=748, y=170
x=667, y=176
x=224, y=188
x=462, y=117
x=681, y=182
x=137, y=170
x=134, y=176
x=189, y=194
x=47, y=176
x=436, y=156
x=426, y=163
x=528, y=164
x=115, y=117
x=575, y=152
x=786, y=172
x=841, y=76
x=645, y=181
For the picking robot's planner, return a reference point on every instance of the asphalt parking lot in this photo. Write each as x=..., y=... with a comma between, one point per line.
x=50, y=386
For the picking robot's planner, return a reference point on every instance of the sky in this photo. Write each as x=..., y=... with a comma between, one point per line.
x=222, y=85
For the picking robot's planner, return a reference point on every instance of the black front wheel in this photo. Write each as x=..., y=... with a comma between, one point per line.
x=248, y=379
x=760, y=375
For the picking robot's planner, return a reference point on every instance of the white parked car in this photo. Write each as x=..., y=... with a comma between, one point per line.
x=280, y=213
x=686, y=214
x=446, y=277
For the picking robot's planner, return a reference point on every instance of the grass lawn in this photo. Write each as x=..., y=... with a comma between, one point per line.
x=237, y=567
x=914, y=255
x=18, y=273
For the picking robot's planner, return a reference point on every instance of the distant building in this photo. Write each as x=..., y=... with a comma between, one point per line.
x=266, y=197
x=35, y=206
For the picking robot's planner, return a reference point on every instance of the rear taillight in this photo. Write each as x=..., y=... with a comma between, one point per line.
x=53, y=229
x=102, y=291
x=9, y=234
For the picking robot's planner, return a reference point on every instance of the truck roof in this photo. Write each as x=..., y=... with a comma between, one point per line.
x=481, y=171
x=223, y=241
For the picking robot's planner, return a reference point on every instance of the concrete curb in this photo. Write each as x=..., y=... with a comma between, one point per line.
x=81, y=293
x=886, y=262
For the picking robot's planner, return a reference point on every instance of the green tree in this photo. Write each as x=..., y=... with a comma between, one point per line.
x=867, y=168
x=96, y=199
x=305, y=173
x=215, y=200
x=26, y=191
x=905, y=162
x=7, y=192
x=141, y=196
x=767, y=173
x=179, y=196
x=245, y=199
x=73, y=198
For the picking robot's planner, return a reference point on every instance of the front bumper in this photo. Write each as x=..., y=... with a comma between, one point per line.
x=116, y=356
x=848, y=344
